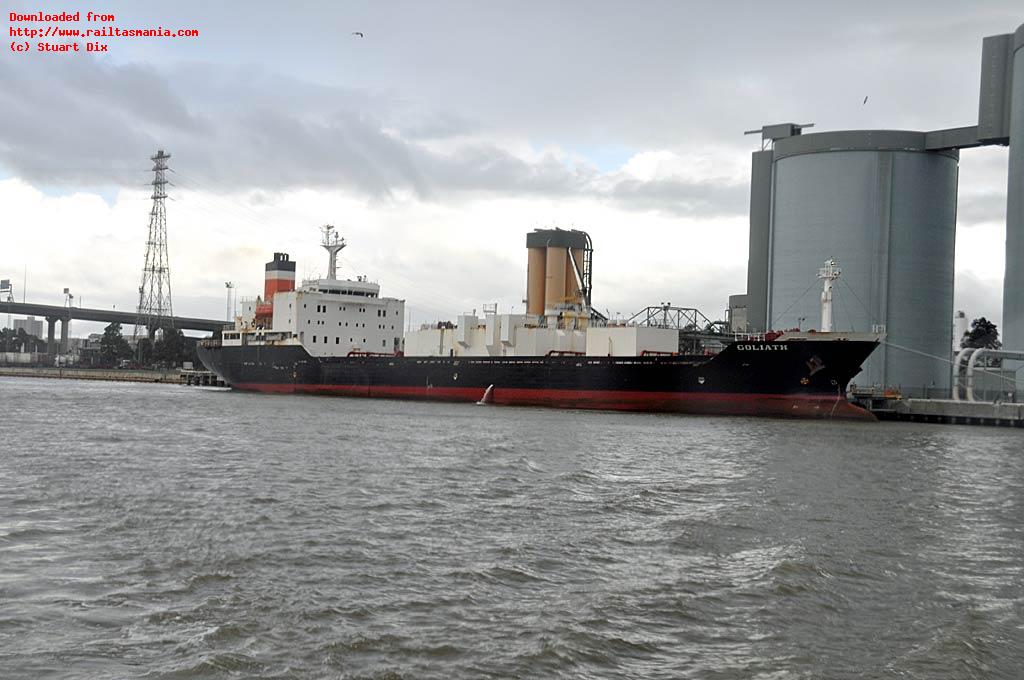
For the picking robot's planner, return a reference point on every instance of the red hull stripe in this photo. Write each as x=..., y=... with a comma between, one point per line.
x=731, y=403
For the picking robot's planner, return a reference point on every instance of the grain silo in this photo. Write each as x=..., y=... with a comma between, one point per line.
x=885, y=207
x=1007, y=105
x=883, y=202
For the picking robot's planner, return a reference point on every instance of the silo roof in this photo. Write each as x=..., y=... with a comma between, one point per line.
x=556, y=238
x=856, y=140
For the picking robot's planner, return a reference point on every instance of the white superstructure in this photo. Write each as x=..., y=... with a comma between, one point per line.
x=328, y=317
x=335, y=317
x=523, y=335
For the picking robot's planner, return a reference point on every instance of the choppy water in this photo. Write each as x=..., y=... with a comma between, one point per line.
x=171, y=532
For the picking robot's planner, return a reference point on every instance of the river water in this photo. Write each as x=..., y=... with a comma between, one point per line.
x=162, y=531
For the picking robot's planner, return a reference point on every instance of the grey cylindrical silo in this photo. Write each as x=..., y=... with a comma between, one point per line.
x=886, y=209
x=1013, y=281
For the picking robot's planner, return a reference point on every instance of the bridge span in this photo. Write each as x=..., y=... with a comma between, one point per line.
x=55, y=313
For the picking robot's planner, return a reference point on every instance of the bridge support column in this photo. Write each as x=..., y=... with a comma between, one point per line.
x=65, y=328
x=51, y=324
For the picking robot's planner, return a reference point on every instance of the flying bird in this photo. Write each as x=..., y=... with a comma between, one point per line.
x=864, y=102
x=359, y=33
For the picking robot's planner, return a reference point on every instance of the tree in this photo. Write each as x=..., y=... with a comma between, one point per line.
x=30, y=343
x=983, y=333
x=144, y=351
x=17, y=341
x=191, y=351
x=169, y=347
x=113, y=346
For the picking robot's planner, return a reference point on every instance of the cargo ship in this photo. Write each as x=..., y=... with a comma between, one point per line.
x=340, y=337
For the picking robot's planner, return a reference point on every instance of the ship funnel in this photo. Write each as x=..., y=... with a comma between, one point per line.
x=279, y=277
x=558, y=271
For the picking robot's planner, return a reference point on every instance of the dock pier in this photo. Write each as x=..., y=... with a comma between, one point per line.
x=948, y=411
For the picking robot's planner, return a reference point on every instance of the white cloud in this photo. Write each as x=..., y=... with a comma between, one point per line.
x=980, y=261
x=442, y=259
x=710, y=165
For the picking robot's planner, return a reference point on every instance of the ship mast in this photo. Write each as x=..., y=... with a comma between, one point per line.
x=333, y=244
x=829, y=273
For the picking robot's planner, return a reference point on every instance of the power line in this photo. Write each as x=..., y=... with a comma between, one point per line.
x=793, y=304
x=949, y=361
x=857, y=297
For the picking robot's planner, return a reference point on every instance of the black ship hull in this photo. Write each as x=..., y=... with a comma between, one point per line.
x=791, y=378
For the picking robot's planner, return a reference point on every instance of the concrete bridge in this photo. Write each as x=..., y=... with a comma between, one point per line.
x=55, y=313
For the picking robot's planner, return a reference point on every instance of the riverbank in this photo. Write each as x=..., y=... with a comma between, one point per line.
x=109, y=374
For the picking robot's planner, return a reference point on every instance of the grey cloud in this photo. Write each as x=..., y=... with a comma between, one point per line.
x=367, y=114
x=349, y=150
x=681, y=197
x=979, y=297
x=977, y=208
x=96, y=124
x=439, y=125
x=82, y=122
x=650, y=74
x=487, y=168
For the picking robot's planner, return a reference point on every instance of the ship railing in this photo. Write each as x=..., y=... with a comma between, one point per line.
x=767, y=336
x=260, y=336
x=874, y=391
x=278, y=336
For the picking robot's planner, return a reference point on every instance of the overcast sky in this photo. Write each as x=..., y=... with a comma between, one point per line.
x=451, y=129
